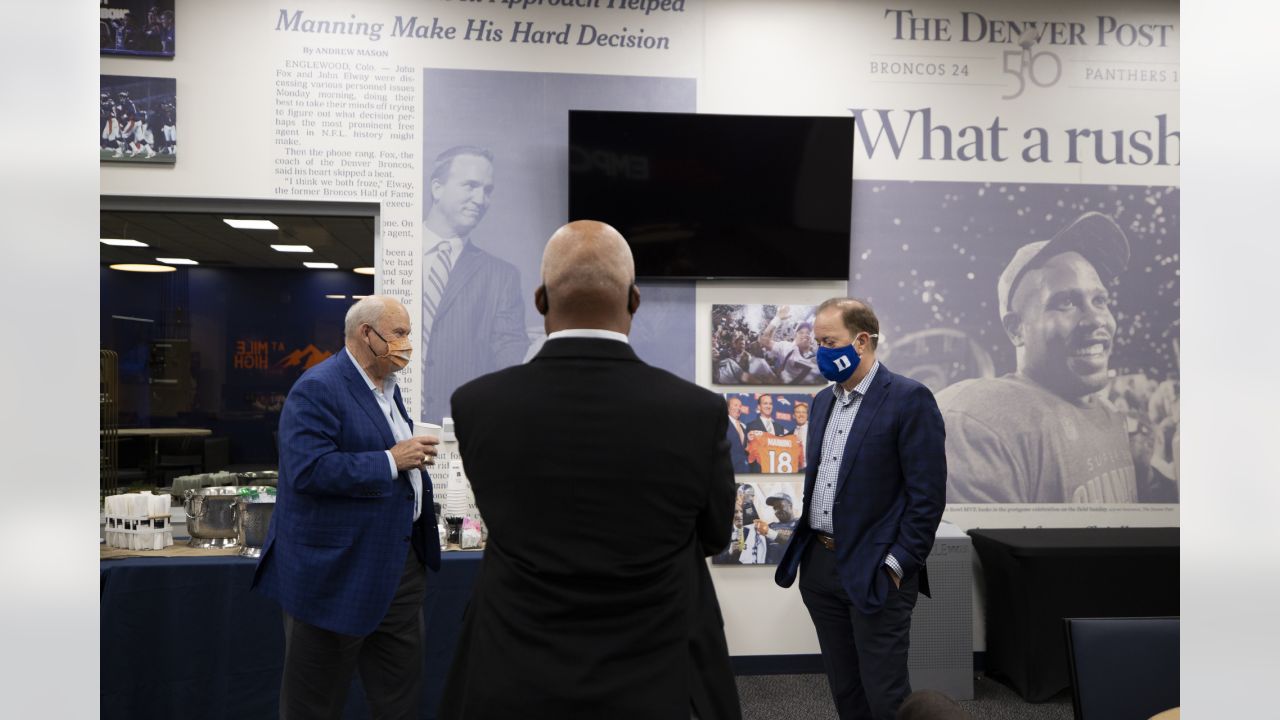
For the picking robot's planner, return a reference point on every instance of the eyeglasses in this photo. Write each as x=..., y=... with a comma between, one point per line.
x=399, y=334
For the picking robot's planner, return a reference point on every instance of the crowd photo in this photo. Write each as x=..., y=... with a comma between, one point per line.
x=133, y=27
x=763, y=345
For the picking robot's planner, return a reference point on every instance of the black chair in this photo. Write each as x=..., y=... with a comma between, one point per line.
x=133, y=457
x=217, y=453
x=177, y=456
x=1122, y=668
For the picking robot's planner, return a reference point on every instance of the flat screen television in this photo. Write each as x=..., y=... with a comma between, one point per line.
x=717, y=196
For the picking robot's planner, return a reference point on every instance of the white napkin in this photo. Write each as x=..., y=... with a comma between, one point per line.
x=132, y=518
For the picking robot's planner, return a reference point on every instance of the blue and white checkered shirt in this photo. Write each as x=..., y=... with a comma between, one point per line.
x=843, y=412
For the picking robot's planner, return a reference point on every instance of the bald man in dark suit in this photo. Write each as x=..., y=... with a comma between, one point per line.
x=594, y=599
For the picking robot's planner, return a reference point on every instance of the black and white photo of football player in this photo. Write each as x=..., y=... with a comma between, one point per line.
x=1045, y=318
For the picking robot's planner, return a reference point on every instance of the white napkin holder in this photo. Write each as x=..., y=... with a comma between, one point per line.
x=137, y=521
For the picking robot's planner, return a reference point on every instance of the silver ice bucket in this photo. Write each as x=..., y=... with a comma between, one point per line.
x=211, y=517
x=253, y=516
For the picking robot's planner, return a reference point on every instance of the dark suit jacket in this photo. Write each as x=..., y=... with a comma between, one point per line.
x=892, y=502
x=478, y=328
x=779, y=428
x=336, y=546
x=594, y=599
x=737, y=446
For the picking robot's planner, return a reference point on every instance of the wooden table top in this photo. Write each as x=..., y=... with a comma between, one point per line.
x=164, y=432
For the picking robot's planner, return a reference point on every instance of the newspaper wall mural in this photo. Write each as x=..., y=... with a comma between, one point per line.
x=1015, y=201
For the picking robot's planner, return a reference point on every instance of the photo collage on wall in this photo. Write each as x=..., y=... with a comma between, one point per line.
x=137, y=116
x=138, y=120
x=769, y=345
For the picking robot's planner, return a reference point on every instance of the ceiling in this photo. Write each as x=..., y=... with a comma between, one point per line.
x=205, y=238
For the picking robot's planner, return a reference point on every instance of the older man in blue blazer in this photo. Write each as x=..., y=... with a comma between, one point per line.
x=348, y=541
x=874, y=492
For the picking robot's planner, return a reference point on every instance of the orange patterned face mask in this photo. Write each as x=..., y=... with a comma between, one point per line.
x=399, y=350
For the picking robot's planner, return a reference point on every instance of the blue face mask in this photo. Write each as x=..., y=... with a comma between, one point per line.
x=837, y=364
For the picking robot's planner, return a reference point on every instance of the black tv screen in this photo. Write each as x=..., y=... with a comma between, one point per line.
x=717, y=196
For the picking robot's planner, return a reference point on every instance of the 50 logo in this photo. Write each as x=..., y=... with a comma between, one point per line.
x=1042, y=69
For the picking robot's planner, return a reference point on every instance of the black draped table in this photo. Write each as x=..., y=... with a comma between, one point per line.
x=1036, y=578
x=184, y=637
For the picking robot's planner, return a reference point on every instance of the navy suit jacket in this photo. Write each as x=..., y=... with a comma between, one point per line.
x=478, y=328
x=342, y=525
x=781, y=429
x=890, y=492
x=738, y=448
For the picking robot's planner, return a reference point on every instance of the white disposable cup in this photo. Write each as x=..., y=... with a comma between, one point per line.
x=427, y=430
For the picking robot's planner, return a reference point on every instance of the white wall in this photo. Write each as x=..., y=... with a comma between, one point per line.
x=49, y=366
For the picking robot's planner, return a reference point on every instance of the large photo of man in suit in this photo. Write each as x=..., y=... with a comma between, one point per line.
x=472, y=310
x=516, y=123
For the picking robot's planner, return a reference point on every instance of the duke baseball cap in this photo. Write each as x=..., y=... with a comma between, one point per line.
x=1095, y=236
x=776, y=497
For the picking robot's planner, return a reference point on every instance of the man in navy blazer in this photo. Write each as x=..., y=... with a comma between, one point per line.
x=348, y=540
x=874, y=492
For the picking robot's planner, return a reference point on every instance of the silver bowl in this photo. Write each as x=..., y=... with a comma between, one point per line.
x=253, y=517
x=211, y=517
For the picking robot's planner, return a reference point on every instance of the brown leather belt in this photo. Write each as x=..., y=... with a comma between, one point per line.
x=827, y=541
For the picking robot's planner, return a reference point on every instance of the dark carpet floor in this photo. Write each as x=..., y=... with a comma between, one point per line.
x=781, y=697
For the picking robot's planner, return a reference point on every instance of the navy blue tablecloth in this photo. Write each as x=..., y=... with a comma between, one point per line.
x=1037, y=577
x=186, y=638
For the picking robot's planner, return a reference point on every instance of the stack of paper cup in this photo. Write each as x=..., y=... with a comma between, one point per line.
x=137, y=521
